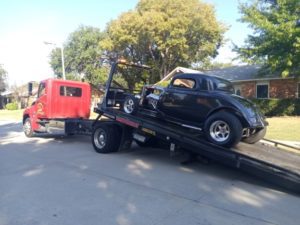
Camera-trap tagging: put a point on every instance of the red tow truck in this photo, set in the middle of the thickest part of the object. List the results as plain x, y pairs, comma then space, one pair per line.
63, 107
57, 101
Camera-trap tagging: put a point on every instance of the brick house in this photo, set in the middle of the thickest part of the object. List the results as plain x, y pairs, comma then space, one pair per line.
250, 84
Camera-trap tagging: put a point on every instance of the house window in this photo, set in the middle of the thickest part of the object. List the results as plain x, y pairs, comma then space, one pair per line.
262, 90
238, 90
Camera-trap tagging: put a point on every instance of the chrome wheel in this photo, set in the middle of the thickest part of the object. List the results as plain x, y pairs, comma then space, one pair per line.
129, 106
27, 127
100, 138
219, 131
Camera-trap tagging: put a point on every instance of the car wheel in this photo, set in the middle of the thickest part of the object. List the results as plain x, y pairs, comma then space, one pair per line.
255, 137
224, 129
27, 128
106, 139
130, 105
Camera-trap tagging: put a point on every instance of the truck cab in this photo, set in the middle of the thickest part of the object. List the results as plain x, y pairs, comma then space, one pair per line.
57, 100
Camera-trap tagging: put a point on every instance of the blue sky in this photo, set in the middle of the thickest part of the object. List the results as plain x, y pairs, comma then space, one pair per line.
25, 25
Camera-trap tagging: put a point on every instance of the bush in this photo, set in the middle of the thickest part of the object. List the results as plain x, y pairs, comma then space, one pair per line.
11, 106
278, 107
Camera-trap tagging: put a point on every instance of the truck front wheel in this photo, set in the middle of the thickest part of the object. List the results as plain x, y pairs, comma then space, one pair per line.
106, 138
27, 128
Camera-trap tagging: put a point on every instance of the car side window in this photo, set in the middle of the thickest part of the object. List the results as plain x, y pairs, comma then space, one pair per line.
184, 83
203, 84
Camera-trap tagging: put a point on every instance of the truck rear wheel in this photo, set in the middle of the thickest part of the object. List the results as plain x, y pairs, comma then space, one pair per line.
27, 128
106, 138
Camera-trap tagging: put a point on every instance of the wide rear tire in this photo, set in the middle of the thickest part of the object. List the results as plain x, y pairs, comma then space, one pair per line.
130, 105
223, 128
106, 138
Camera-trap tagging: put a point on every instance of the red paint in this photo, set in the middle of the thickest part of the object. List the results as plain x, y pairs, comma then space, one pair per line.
127, 122
58, 102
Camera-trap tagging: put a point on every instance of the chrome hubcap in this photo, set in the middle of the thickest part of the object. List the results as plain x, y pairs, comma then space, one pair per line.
100, 138
219, 131
27, 127
128, 106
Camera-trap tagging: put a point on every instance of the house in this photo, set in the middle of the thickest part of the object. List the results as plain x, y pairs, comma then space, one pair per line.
249, 83
6, 97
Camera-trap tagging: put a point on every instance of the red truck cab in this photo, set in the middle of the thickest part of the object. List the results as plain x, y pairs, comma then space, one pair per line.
57, 100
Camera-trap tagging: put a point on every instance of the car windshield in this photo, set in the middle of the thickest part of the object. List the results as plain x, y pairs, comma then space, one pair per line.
223, 85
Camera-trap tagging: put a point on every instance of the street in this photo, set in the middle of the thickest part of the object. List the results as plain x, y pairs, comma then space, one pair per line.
63, 181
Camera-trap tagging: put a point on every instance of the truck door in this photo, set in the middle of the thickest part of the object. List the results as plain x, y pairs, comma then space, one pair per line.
40, 103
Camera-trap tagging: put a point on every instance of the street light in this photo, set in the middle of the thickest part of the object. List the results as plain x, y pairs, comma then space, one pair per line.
62, 57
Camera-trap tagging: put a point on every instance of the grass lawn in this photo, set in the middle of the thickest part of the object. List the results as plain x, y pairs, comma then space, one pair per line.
280, 128
284, 128
15, 115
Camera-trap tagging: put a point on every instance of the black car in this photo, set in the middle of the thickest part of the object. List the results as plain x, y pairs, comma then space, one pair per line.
202, 103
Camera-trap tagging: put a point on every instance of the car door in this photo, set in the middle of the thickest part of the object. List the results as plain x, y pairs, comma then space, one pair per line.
187, 103
178, 99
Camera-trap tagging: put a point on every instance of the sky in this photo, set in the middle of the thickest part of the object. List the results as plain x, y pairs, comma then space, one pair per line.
26, 25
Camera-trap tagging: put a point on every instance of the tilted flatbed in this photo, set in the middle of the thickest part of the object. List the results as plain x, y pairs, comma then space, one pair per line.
269, 163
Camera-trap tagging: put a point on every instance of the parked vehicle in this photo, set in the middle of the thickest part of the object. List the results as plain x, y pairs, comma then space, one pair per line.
205, 103
57, 100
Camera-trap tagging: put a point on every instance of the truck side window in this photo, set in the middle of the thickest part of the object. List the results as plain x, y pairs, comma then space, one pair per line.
70, 91
42, 89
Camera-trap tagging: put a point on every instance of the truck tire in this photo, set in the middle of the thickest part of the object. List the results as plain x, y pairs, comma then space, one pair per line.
106, 138
223, 128
130, 105
27, 128
255, 137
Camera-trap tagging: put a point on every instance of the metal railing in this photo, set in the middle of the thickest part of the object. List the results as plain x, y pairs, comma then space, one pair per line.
276, 143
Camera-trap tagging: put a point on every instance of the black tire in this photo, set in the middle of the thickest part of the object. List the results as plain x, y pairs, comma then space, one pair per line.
255, 137
130, 105
27, 128
106, 138
223, 128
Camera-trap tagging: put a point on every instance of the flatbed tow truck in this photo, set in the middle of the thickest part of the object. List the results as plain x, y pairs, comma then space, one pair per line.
114, 130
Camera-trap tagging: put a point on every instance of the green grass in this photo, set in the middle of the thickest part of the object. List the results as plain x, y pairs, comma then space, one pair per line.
280, 128
284, 128
15, 115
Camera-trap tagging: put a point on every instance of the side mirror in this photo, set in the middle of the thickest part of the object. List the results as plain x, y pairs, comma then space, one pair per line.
30, 89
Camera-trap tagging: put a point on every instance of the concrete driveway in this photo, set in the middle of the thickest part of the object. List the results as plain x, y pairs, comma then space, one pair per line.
62, 181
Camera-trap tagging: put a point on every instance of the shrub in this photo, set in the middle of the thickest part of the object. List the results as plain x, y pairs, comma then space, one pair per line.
278, 107
12, 106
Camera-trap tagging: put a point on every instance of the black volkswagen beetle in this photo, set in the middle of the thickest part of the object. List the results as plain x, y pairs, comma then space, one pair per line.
205, 103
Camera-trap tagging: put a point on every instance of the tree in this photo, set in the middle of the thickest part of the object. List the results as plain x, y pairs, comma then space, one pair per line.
276, 38
165, 34
82, 55
3, 77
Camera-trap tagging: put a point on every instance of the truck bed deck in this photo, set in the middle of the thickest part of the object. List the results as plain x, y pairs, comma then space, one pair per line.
270, 163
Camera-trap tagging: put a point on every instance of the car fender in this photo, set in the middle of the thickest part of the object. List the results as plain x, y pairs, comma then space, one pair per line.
232, 110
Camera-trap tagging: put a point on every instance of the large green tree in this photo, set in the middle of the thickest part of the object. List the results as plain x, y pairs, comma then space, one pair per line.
3, 77
276, 38
165, 34
82, 56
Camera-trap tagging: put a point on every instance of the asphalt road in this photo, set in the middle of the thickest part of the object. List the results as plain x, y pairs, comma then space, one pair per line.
62, 181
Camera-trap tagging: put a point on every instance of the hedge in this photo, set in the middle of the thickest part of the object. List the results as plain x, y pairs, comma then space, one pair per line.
11, 106
278, 107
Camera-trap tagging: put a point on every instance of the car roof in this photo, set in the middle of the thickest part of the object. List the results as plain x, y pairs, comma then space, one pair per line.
197, 75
